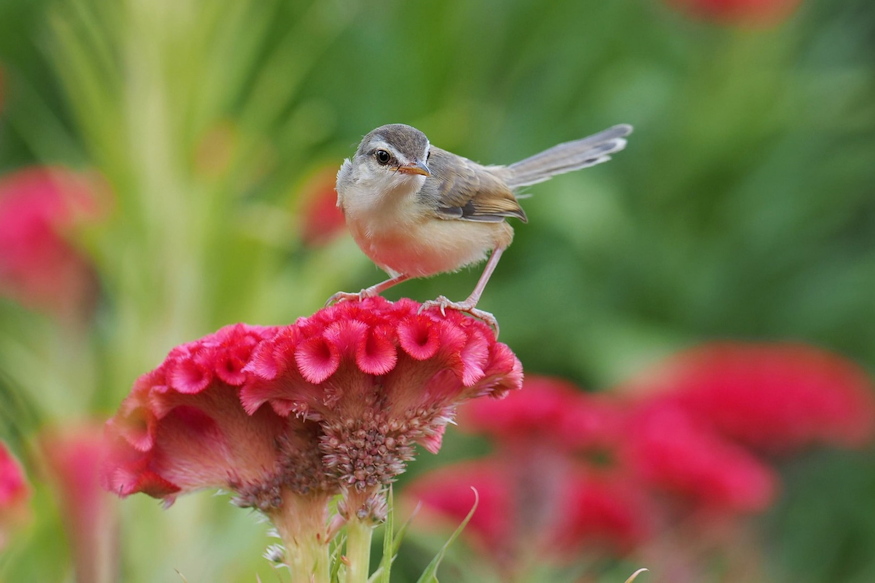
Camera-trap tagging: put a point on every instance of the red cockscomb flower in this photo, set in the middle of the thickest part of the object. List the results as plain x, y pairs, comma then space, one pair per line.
74, 457
603, 512
334, 402
550, 411
772, 397
542, 492
321, 219
14, 495
670, 451
183, 427
378, 377
742, 12
39, 267
288, 416
447, 495
582, 512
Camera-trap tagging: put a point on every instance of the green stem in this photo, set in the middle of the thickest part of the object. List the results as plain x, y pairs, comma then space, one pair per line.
301, 525
358, 550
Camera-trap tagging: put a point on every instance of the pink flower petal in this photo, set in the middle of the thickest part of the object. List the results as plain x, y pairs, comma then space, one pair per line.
419, 337
229, 368
433, 439
377, 354
346, 335
135, 427
474, 357
317, 359
189, 376
268, 361
125, 480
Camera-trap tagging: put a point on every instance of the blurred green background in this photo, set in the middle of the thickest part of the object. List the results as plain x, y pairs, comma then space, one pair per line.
743, 207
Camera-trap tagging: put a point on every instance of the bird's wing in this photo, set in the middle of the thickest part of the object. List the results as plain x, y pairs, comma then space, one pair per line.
464, 190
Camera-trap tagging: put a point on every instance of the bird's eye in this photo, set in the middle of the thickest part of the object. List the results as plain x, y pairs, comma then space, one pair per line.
383, 157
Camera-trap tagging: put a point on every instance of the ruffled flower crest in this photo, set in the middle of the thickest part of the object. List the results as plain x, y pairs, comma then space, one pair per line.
378, 377
331, 403
182, 428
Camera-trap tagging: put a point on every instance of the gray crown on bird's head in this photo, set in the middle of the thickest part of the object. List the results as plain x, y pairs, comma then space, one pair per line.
404, 139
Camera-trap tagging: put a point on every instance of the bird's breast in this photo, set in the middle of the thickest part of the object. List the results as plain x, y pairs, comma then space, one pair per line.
401, 233
431, 246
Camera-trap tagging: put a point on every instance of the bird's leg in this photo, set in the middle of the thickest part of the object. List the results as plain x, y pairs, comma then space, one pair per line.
470, 304
367, 292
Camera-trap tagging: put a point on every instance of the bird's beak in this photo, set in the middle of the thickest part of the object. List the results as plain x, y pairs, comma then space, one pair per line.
415, 168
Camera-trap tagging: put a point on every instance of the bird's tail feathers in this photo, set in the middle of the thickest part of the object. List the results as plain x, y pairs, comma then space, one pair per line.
567, 157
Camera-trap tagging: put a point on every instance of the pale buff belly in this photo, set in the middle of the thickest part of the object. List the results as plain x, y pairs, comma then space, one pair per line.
434, 246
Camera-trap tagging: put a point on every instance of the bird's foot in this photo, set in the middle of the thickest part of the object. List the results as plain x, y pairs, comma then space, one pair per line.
467, 307
347, 296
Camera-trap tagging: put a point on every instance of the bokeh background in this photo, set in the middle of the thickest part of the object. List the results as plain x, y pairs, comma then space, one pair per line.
192, 145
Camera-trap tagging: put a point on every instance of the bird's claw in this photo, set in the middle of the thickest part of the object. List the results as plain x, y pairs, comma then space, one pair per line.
442, 303
347, 296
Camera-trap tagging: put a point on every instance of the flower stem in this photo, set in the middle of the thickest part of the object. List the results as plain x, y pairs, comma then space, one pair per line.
358, 550
301, 525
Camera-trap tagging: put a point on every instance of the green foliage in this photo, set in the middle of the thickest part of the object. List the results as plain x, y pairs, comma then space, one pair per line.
743, 206
429, 575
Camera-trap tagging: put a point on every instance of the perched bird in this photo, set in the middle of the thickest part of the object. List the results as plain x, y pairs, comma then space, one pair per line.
417, 210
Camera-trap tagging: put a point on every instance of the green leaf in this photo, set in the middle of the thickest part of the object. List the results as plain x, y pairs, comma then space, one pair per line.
430, 573
391, 542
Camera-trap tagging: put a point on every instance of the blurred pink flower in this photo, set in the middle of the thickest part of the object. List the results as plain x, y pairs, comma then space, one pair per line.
321, 219
669, 455
552, 487
14, 495
582, 512
603, 512
550, 412
75, 456
771, 397
447, 496
739, 12
39, 267
670, 451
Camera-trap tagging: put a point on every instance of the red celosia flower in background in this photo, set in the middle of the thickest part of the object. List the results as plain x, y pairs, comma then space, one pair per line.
603, 511
594, 513
772, 397
378, 377
447, 496
670, 451
14, 495
39, 267
675, 453
542, 492
332, 402
550, 412
321, 219
75, 457
743, 12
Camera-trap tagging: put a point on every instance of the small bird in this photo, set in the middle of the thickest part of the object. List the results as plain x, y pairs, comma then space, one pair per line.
417, 210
